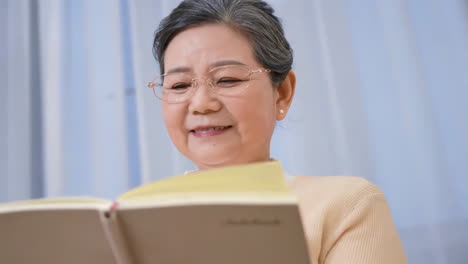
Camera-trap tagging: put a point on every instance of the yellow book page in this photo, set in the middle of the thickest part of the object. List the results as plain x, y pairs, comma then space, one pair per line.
59, 200
256, 179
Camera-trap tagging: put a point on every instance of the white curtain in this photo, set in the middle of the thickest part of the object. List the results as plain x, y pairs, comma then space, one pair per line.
381, 94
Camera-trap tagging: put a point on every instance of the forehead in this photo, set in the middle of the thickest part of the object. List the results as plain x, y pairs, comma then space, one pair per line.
200, 47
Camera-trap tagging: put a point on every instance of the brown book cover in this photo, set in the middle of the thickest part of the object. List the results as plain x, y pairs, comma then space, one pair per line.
241, 214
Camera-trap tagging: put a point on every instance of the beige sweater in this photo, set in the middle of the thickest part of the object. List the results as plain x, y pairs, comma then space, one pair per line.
347, 220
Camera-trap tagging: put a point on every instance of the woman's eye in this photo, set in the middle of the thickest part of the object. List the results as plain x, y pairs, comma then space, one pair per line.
228, 82
180, 86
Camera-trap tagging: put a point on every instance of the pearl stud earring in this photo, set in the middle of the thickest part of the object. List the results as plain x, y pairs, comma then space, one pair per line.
281, 111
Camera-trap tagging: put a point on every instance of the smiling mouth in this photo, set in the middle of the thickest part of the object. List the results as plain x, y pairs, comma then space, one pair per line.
209, 131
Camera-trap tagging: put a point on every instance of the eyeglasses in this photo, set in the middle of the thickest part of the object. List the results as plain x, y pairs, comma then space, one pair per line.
177, 87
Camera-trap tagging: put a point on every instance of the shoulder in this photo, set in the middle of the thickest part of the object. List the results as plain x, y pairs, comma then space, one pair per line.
340, 213
338, 190
337, 182
333, 197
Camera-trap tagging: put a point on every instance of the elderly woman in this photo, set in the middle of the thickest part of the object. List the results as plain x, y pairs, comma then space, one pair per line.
226, 79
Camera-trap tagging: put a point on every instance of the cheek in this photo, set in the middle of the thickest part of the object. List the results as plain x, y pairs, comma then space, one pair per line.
174, 120
257, 116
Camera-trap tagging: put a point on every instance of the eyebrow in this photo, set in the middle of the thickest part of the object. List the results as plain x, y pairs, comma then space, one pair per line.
213, 65
226, 62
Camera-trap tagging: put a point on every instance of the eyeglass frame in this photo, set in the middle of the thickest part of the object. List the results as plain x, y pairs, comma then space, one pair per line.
152, 85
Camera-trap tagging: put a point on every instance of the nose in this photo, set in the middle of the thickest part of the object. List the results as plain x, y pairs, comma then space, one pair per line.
204, 100
207, 83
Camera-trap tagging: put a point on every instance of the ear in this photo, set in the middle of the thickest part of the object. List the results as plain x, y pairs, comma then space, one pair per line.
285, 94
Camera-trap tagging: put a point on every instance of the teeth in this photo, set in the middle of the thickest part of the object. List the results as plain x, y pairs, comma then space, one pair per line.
210, 129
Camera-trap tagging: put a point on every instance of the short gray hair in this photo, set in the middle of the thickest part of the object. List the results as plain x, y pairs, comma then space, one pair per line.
254, 18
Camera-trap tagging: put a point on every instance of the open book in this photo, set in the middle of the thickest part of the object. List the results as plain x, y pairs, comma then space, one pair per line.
241, 214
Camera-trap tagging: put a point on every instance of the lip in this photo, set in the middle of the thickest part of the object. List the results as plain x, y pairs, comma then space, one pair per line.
209, 131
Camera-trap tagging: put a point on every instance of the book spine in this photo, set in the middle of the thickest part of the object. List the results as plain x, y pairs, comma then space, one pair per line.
115, 236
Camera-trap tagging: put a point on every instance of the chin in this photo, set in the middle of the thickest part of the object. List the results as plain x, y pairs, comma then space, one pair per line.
214, 154
231, 153
214, 159
210, 161
207, 162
